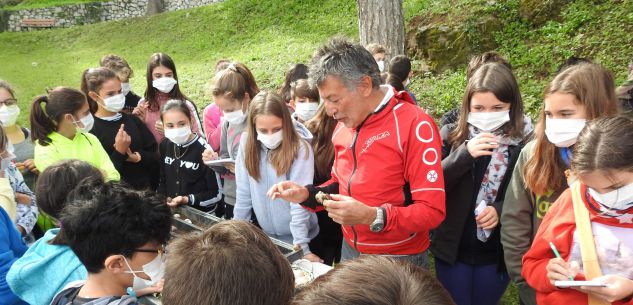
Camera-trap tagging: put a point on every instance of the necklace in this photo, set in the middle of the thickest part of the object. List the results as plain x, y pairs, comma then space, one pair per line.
183, 153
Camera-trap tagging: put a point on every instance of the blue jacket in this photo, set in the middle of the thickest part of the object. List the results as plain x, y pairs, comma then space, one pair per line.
288, 222
11, 247
45, 270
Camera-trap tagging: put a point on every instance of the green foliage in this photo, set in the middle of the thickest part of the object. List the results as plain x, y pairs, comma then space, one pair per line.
30, 4
268, 36
599, 30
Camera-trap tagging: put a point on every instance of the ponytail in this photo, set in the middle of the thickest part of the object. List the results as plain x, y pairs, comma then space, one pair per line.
235, 82
48, 111
41, 125
91, 80
395, 81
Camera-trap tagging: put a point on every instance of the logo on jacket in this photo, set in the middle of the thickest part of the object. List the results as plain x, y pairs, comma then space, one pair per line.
373, 139
431, 176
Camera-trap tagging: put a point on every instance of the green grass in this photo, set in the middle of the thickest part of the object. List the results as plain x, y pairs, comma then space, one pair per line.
268, 36
31, 4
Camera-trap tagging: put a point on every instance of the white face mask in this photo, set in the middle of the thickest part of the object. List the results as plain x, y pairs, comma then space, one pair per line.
9, 115
271, 141
178, 135
88, 121
114, 103
235, 117
381, 65
306, 111
618, 200
488, 121
563, 132
407, 82
164, 84
125, 88
154, 269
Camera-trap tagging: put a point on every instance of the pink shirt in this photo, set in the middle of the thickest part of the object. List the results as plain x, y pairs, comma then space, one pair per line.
151, 117
212, 118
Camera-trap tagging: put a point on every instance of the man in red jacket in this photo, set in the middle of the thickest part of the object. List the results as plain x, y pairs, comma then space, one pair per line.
387, 188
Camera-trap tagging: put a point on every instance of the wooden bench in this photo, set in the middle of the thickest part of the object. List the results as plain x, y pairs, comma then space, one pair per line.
38, 23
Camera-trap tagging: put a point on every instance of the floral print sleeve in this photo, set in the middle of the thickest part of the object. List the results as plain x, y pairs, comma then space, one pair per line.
26, 214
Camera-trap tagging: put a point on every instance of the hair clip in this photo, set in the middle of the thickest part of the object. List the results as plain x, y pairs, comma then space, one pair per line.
232, 67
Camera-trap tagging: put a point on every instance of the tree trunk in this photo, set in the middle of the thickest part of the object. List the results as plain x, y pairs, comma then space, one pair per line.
382, 22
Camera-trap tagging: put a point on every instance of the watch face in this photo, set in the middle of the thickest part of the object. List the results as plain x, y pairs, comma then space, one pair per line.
376, 227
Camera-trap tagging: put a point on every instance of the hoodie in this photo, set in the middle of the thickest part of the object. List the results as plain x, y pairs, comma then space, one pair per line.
69, 296
11, 247
44, 270
288, 222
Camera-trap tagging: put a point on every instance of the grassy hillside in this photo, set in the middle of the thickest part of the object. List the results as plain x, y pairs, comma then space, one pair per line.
268, 36
599, 30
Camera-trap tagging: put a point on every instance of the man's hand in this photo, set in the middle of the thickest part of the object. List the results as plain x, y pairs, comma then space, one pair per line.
178, 200
288, 191
349, 211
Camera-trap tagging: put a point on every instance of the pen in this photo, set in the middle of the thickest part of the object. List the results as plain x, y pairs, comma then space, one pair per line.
551, 244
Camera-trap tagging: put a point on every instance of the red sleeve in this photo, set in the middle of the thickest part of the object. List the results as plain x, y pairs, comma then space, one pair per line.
558, 226
421, 148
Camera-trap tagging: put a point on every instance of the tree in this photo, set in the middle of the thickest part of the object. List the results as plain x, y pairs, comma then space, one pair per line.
382, 21
155, 7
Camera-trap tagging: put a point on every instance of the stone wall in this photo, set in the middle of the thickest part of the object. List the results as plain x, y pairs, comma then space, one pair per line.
86, 13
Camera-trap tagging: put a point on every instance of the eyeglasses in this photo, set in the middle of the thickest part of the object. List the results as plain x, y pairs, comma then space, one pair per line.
9, 102
160, 250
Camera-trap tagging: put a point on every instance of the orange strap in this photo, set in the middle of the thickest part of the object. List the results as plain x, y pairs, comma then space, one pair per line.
590, 262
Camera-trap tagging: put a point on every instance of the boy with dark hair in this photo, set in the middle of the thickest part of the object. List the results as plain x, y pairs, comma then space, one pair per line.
118, 234
375, 280
231, 263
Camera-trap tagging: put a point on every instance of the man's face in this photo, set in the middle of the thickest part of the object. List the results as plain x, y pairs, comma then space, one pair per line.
341, 103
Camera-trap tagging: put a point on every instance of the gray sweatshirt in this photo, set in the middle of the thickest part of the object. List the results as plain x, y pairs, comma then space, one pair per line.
229, 146
288, 222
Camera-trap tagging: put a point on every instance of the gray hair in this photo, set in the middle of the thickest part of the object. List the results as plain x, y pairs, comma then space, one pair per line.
346, 60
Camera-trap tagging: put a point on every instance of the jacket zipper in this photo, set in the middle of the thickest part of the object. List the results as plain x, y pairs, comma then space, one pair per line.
349, 181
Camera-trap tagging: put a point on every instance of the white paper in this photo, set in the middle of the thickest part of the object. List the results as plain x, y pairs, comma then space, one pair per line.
482, 234
579, 283
219, 161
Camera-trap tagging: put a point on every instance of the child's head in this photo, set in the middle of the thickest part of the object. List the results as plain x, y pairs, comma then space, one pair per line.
176, 118
102, 88
161, 78
378, 52
492, 101
64, 109
270, 127
484, 58
375, 280
602, 160
295, 73
233, 88
579, 93
399, 72
233, 262
57, 180
118, 65
305, 99
117, 233
9, 110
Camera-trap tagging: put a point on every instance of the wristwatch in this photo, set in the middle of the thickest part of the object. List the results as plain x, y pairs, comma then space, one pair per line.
379, 223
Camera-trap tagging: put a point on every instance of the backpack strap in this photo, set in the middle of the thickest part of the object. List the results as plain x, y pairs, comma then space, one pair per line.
590, 262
